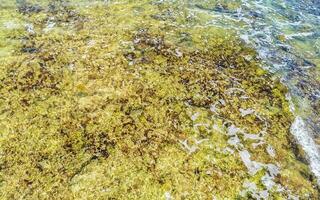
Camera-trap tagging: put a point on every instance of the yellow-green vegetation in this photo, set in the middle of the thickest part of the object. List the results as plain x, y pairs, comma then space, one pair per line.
130, 100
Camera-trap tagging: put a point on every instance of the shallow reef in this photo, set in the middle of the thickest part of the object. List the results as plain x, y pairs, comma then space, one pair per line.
139, 100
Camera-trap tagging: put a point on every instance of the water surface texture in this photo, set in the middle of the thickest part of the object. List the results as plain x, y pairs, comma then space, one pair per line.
287, 37
159, 99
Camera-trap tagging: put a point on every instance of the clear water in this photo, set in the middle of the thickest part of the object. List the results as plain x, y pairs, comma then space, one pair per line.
286, 34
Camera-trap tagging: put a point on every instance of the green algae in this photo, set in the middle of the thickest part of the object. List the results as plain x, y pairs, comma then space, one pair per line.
114, 101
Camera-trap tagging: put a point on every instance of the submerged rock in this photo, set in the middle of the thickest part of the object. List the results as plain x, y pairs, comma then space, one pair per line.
252, 166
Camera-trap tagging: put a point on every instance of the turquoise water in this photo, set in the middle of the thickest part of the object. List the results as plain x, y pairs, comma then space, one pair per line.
286, 33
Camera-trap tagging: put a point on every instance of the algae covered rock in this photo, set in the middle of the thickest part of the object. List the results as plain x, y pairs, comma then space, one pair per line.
116, 103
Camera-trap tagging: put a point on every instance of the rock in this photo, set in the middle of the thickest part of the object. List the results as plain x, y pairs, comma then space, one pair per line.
235, 141
252, 166
245, 112
233, 130
271, 151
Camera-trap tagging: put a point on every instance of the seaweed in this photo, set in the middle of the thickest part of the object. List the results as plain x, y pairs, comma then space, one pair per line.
121, 109
25, 7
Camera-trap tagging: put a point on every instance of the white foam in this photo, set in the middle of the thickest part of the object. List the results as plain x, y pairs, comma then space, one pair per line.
300, 132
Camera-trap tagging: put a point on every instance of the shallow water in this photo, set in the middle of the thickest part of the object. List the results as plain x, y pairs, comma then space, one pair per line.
286, 34
67, 52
